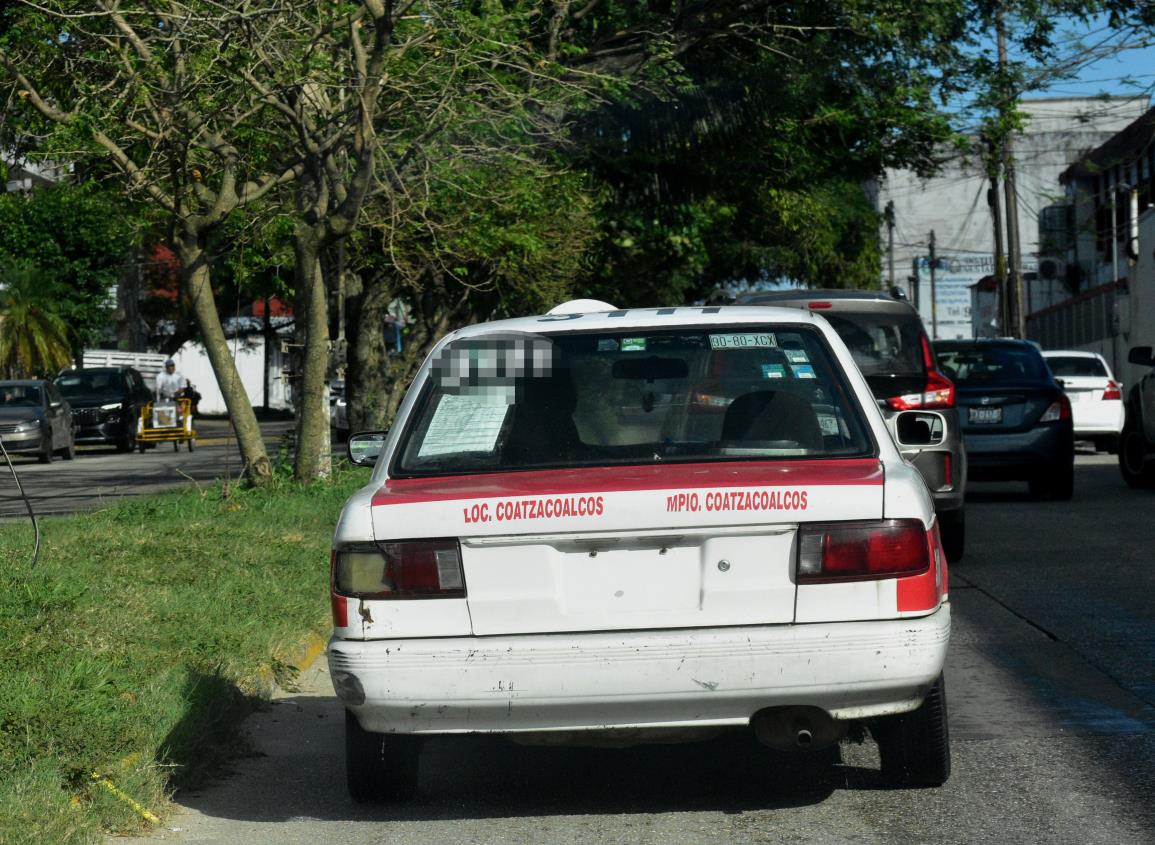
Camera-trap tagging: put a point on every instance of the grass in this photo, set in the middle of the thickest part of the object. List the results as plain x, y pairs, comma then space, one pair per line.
139, 640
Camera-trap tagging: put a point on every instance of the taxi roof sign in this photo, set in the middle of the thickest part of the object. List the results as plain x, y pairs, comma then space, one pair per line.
581, 306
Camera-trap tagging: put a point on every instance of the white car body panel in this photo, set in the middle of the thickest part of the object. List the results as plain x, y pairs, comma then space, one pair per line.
621, 597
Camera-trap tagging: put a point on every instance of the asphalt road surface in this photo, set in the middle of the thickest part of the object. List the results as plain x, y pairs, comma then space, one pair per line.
100, 475
1051, 687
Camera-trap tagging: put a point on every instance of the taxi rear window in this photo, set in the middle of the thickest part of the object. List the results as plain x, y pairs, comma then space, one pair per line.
528, 401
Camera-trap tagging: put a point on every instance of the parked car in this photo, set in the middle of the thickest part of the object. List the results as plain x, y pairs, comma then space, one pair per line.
1096, 398
1016, 418
552, 545
34, 417
338, 410
889, 343
1137, 442
106, 404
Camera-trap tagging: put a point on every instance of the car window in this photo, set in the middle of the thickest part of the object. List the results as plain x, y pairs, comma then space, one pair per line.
881, 342
1075, 366
596, 399
81, 382
20, 396
977, 363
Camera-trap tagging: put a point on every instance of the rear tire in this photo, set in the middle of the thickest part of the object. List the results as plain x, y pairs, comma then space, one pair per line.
952, 528
192, 444
915, 747
379, 768
1132, 449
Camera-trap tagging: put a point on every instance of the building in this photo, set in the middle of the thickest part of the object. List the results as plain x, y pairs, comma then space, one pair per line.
954, 205
1103, 230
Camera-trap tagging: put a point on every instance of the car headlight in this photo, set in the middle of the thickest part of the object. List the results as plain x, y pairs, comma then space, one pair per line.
110, 406
27, 425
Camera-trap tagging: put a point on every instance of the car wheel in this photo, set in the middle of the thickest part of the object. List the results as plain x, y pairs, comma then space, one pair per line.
126, 443
1132, 449
379, 768
192, 444
914, 748
1109, 444
952, 529
46, 452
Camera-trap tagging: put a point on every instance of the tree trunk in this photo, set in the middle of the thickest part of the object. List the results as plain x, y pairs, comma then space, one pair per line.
197, 283
313, 453
368, 382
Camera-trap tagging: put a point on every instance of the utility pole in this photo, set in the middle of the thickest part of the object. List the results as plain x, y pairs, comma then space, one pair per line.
933, 292
889, 216
1000, 268
1015, 294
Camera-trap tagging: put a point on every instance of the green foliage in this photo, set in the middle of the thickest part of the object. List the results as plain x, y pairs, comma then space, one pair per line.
34, 337
142, 635
82, 235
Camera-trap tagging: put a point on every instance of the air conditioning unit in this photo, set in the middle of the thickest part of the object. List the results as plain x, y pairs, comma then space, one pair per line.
1052, 269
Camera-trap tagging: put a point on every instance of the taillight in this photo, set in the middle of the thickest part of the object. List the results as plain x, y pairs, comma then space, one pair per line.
851, 551
819, 304
938, 392
1060, 409
405, 569
1112, 390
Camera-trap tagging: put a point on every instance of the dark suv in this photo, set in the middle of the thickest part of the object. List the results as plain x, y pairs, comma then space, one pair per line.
889, 343
106, 403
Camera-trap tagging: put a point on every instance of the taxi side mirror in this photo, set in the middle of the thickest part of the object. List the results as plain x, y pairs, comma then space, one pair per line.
919, 429
364, 448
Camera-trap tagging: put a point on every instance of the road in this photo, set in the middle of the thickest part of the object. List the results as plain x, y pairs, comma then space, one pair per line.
100, 475
1051, 685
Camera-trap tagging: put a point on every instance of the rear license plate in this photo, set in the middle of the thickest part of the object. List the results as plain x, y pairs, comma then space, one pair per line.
985, 415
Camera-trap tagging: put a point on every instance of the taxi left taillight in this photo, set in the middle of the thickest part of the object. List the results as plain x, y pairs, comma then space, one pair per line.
855, 551
401, 569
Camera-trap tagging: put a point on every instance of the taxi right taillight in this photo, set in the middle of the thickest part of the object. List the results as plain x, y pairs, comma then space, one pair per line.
405, 569
1112, 390
855, 551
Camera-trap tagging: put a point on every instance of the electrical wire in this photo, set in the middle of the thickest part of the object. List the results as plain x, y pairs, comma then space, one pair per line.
27, 504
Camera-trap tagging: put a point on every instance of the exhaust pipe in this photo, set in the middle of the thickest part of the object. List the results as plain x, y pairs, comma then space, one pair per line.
797, 728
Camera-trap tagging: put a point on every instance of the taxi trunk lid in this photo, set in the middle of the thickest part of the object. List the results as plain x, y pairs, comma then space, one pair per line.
633, 547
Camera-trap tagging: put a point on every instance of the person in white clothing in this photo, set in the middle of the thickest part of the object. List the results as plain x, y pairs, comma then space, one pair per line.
170, 383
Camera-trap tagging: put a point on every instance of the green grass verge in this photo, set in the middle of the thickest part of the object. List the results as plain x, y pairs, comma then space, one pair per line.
139, 640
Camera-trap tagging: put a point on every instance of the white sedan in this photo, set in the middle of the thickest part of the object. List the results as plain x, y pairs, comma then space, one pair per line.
1096, 398
640, 525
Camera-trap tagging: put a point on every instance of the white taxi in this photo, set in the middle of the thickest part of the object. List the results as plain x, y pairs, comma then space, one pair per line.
640, 525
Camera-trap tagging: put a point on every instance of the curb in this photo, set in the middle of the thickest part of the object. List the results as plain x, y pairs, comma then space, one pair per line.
299, 657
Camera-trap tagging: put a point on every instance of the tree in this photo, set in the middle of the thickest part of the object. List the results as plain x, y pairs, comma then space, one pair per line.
85, 233
34, 338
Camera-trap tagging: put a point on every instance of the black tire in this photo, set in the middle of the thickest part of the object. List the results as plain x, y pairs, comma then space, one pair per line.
915, 747
176, 445
379, 768
952, 526
141, 445
192, 444
126, 443
1132, 449
1109, 444
1058, 485
46, 454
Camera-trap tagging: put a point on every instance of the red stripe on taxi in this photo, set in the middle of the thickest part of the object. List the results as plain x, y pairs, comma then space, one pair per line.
861, 472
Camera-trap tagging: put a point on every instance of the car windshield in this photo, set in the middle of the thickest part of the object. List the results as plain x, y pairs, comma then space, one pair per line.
20, 396
503, 402
83, 382
992, 362
1074, 366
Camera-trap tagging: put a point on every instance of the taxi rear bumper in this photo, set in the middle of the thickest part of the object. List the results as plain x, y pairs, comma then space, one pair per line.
638, 679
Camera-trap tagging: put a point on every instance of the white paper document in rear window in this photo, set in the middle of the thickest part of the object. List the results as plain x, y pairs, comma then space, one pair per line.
464, 424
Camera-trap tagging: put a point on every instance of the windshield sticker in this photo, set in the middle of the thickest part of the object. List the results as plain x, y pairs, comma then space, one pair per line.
797, 356
773, 371
607, 344
633, 344
804, 371
464, 424
762, 340
829, 424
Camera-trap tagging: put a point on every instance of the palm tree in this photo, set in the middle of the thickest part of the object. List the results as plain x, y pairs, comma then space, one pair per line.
33, 337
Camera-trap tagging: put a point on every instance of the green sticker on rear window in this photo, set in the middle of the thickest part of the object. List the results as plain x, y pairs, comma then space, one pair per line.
633, 344
773, 371
797, 356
